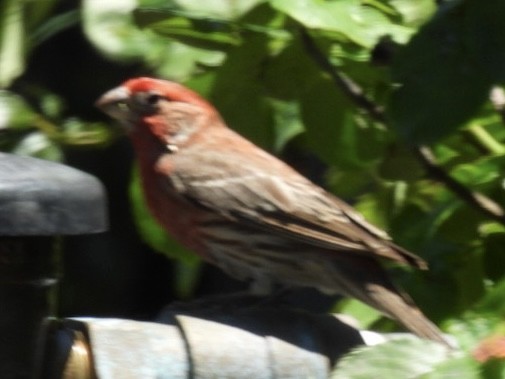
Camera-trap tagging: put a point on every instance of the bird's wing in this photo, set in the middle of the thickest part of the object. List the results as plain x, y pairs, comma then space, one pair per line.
288, 204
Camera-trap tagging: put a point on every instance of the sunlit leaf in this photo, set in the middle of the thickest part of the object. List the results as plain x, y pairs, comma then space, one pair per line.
364, 314
109, 26
473, 327
481, 173
15, 112
38, 145
402, 358
184, 61
198, 32
225, 8
80, 133
362, 25
461, 368
376, 206
415, 12
12, 34
210, 8
207, 30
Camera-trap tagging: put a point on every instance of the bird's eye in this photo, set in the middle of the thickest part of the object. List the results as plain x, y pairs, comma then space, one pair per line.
153, 98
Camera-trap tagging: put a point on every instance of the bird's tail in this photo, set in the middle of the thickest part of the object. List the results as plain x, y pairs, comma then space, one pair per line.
364, 279
400, 307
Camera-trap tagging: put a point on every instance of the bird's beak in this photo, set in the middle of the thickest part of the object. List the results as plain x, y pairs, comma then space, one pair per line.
115, 103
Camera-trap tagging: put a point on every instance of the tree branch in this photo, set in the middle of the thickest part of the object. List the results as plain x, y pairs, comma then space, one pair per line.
476, 199
424, 154
344, 83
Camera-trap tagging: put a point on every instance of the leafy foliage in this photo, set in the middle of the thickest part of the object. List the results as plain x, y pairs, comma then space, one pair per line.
461, 61
429, 68
405, 358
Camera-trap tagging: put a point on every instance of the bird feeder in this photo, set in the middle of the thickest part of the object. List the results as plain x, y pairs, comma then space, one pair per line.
39, 202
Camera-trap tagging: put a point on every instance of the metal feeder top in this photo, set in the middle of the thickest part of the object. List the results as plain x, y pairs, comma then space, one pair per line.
44, 198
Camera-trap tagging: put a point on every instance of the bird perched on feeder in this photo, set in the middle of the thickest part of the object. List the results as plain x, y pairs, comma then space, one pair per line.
244, 210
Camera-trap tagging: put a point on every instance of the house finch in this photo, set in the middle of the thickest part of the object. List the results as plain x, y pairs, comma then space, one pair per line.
246, 211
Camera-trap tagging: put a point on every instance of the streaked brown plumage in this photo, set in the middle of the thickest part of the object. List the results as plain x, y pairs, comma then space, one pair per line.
247, 212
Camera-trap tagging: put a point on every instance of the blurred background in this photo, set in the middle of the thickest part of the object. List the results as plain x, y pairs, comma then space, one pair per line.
396, 106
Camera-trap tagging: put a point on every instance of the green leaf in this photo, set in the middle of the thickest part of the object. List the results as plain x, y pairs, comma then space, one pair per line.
150, 231
287, 123
199, 32
335, 132
485, 38
330, 130
80, 133
380, 206
15, 112
481, 173
493, 369
398, 163
39, 11
493, 301
207, 29
374, 207
400, 358
414, 12
363, 313
348, 183
51, 105
360, 24
469, 277
290, 72
12, 35
461, 368
109, 26
182, 61
446, 84
38, 145
53, 26
224, 9
493, 242
229, 9
472, 328
238, 94
490, 228
485, 139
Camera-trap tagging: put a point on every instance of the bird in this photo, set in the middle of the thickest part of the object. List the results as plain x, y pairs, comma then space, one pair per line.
249, 213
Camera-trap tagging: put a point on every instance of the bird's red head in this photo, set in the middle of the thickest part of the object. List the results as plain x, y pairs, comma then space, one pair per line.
169, 90
141, 95
162, 108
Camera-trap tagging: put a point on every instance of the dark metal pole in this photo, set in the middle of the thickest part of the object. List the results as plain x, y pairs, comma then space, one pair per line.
27, 277
39, 202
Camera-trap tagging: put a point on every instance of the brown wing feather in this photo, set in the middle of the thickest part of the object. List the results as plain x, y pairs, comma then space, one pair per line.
272, 196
